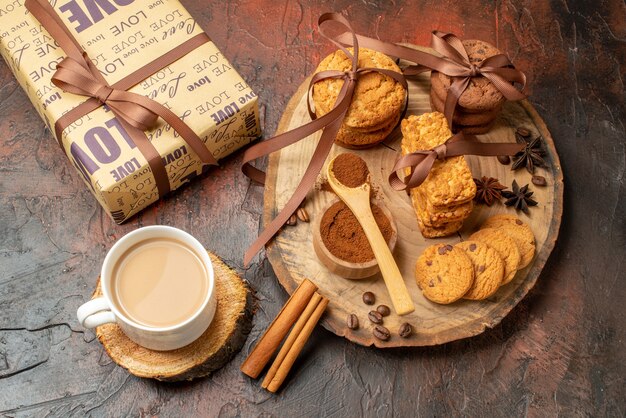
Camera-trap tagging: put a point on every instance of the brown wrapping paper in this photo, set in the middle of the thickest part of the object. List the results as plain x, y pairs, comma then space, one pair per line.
120, 36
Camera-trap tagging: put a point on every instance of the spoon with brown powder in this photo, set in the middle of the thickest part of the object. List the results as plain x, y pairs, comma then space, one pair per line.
348, 176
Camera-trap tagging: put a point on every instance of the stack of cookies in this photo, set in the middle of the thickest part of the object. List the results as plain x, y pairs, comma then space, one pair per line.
377, 103
480, 103
476, 268
444, 200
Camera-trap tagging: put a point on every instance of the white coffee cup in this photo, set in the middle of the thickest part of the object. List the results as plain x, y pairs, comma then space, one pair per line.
101, 310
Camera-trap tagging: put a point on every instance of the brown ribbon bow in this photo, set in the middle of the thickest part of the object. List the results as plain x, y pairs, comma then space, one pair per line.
421, 162
454, 63
82, 78
330, 123
77, 74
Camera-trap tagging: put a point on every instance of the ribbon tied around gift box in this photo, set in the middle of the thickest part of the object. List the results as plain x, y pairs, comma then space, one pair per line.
454, 62
77, 74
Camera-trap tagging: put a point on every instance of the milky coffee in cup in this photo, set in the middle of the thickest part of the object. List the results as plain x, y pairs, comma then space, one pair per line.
159, 282
158, 286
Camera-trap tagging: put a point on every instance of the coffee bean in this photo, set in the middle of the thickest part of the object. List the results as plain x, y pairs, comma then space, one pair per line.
504, 159
523, 132
539, 181
369, 298
405, 330
352, 322
383, 310
293, 219
302, 215
381, 333
375, 317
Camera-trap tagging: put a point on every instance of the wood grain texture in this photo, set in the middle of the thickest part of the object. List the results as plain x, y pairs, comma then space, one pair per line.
293, 258
559, 352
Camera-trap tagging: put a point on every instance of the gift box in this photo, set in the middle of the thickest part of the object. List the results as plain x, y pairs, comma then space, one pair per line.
122, 38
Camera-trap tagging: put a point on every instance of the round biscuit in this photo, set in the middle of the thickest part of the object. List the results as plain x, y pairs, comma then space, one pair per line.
519, 231
444, 273
475, 129
438, 91
465, 119
480, 94
488, 269
348, 137
438, 232
376, 96
504, 245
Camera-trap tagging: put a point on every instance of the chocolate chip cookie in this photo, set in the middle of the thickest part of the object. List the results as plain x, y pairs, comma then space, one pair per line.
504, 245
519, 231
444, 273
488, 269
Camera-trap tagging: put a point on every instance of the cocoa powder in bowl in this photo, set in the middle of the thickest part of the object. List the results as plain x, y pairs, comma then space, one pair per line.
350, 170
344, 237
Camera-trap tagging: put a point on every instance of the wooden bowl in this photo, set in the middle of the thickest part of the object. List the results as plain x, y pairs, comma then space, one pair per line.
347, 269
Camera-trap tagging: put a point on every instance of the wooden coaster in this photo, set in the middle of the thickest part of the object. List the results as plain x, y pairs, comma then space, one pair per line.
220, 342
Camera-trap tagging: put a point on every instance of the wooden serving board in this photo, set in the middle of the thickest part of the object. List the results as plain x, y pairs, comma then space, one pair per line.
292, 256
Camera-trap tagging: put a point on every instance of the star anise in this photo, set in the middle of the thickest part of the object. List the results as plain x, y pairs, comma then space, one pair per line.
520, 198
530, 156
488, 190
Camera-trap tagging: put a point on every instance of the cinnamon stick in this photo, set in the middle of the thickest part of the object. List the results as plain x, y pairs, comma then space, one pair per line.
278, 329
296, 348
295, 331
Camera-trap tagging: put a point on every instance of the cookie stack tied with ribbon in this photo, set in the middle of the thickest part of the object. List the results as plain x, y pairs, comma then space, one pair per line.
444, 200
480, 103
377, 102
357, 105
342, 95
470, 80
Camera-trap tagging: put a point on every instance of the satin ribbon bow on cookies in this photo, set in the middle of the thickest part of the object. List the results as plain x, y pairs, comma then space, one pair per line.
453, 62
330, 123
421, 162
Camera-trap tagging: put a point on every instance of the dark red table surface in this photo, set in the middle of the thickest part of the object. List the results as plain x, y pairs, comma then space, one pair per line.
559, 352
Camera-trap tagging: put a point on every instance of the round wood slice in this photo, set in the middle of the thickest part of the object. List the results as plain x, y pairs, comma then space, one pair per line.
220, 342
293, 259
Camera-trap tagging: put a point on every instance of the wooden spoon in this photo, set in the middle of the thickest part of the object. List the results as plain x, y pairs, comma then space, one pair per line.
358, 200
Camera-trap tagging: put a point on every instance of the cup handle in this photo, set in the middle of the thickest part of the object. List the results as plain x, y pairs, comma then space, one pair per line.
94, 313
